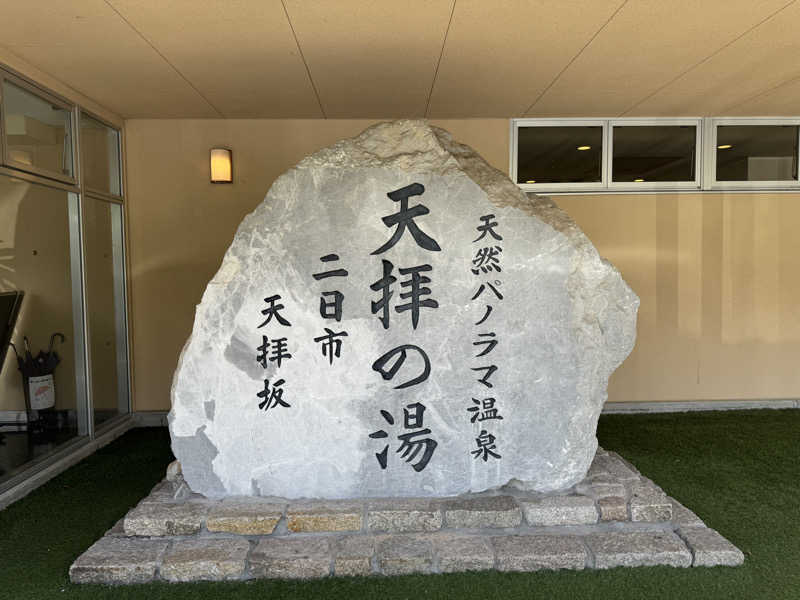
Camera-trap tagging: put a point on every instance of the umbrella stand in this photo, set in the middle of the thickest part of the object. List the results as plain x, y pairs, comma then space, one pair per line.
38, 381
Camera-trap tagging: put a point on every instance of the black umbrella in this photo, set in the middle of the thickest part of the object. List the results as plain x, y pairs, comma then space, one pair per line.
48, 361
44, 363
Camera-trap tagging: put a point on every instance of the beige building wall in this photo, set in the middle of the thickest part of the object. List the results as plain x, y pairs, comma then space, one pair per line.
717, 273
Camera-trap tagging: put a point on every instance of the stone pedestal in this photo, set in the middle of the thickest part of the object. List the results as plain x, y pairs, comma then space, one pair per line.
615, 517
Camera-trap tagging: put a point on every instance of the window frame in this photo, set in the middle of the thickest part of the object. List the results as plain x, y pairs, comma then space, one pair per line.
559, 187
90, 190
711, 153
696, 122
5, 158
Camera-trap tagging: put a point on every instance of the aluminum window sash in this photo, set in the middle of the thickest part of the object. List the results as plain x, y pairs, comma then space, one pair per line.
104, 196
120, 162
695, 122
555, 187
723, 185
49, 97
32, 178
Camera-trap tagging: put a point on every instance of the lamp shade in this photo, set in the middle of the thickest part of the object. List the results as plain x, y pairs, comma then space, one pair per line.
221, 165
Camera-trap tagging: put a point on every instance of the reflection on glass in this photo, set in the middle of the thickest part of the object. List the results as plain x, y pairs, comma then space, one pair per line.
105, 303
38, 237
38, 133
654, 153
559, 154
757, 152
100, 156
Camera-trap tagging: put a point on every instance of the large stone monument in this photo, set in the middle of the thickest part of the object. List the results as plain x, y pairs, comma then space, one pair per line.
399, 369
397, 318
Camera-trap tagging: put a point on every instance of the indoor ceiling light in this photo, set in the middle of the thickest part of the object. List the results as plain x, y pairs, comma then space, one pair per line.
724, 146
221, 165
584, 147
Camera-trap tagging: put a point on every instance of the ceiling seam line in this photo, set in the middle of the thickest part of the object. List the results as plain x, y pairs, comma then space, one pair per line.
303, 58
761, 93
165, 59
574, 58
439, 62
709, 57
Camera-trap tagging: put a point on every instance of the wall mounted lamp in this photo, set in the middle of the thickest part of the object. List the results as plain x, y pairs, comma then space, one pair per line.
221, 165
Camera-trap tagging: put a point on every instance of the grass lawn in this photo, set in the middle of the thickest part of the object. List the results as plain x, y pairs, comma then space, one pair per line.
738, 471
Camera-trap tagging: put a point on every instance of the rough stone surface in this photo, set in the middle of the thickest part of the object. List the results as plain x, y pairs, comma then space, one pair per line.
291, 558
118, 560
457, 553
163, 490
636, 549
156, 519
709, 548
324, 516
401, 515
649, 503
487, 511
560, 510
211, 559
683, 517
353, 554
613, 508
565, 322
244, 516
535, 552
404, 535
402, 554
611, 465
173, 470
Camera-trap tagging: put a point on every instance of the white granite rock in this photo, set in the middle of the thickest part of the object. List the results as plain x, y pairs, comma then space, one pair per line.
566, 320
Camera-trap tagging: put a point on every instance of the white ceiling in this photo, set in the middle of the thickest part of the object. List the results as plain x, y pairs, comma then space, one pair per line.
416, 58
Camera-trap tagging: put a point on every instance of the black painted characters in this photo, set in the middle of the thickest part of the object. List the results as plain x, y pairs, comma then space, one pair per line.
486, 261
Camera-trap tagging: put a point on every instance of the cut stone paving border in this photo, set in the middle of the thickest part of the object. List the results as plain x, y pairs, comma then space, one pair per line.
615, 517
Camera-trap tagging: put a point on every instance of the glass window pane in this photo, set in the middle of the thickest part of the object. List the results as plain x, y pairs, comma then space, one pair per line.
105, 303
38, 133
100, 156
38, 240
757, 152
559, 154
654, 153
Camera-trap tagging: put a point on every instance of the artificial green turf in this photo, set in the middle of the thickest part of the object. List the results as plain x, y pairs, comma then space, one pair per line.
738, 471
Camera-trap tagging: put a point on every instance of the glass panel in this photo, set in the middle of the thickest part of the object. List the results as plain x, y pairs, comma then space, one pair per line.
38, 133
654, 153
100, 156
559, 154
757, 152
105, 303
45, 406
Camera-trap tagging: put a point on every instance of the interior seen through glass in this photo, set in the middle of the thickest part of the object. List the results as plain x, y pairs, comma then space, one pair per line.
654, 153
36, 244
37, 132
571, 154
100, 156
105, 290
757, 152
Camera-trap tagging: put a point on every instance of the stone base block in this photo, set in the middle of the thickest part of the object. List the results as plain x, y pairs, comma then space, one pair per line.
393, 515
536, 552
709, 548
119, 560
325, 516
287, 558
638, 549
483, 511
205, 558
614, 518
